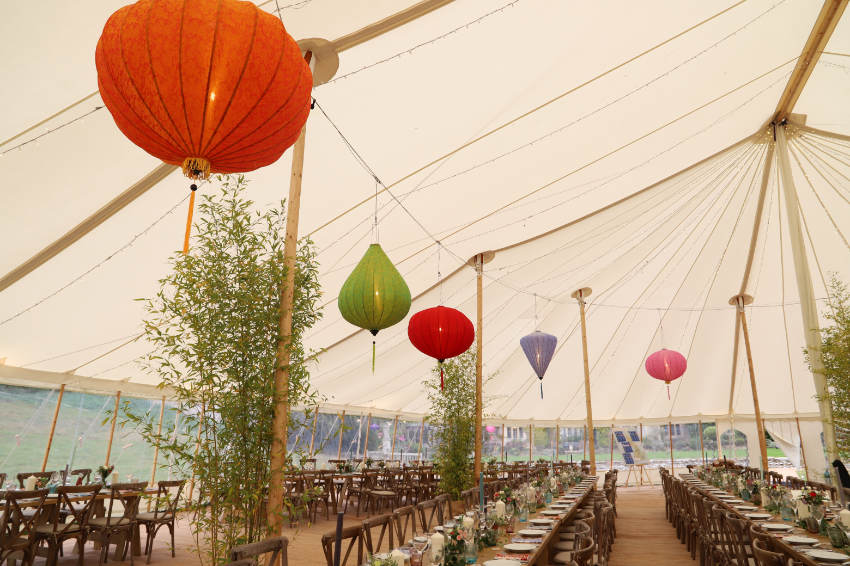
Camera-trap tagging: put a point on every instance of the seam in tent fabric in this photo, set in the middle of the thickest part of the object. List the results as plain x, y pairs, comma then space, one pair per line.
533, 110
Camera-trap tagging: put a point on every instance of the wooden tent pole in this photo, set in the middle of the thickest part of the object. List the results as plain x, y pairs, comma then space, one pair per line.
584, 442
802, 450
579, 296
670, 434
641, 432
281, 372
313, 433
341, 427
504, 455
158, 434
740, 301
701, 447
611, 459
112, 427
557, 443
366, 442
421, 431
479, 345
53, 427
395, 428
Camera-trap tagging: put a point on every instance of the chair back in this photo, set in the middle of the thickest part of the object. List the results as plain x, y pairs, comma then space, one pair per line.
22, 477
275, 546
78, 501
405, 523
84, 475
15, 524
764, 557
2, 479
351, 537
444, 508
583, 555
429, 515
167, 499
128, 495
383, 526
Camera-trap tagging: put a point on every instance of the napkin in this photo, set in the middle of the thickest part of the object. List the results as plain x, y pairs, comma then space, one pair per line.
511, 556
537, 540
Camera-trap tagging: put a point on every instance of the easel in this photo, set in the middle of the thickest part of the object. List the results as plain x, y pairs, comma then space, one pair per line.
639, 471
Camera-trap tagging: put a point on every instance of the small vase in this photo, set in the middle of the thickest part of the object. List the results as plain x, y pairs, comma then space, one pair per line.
471, 553
746, 495
817, 511
786, 510
523, 513
837, 537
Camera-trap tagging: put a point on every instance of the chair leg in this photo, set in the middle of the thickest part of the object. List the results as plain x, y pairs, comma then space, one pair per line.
171, 529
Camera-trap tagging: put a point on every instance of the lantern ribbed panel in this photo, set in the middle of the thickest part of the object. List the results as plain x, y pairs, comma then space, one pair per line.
219, 80
539, 348
666, 365
375, 295
441, 332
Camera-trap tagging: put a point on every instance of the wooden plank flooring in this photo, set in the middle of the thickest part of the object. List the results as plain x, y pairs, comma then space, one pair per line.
644, 536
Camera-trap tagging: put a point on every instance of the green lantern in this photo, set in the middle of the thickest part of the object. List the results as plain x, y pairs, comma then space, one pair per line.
375, 295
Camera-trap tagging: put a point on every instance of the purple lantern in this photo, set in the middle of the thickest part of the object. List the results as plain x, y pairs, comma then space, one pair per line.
539, 348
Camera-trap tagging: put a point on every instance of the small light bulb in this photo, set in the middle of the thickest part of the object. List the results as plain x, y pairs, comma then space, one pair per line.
212, 96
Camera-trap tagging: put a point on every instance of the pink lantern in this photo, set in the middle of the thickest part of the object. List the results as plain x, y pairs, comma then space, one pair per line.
666, 365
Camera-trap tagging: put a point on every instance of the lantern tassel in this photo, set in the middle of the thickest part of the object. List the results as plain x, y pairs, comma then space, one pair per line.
373, 357
668, 390
194, 188
441, 376
541, 389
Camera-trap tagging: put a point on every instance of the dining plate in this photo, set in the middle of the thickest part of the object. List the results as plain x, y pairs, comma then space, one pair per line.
758, 516
547, 522
550, 512
745, 507
519, 547
797, 539
439, 528
827, 555
776, 527
532, 532
560, 506
502, 562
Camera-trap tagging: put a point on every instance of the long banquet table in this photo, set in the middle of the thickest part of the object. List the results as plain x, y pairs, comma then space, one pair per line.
778, 536
540, 555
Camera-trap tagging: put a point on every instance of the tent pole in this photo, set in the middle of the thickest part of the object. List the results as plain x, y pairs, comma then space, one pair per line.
281, 372
421, 430
579, 296
701, 447
112, 427
313, 433
584, 442
670, 435
808, 305
719, 443
53, 427
611, 459
504, 455
395, 428
156, 447
479, 271
557, 443
341, 426
197, 450
802, 450
740, 301
366, 442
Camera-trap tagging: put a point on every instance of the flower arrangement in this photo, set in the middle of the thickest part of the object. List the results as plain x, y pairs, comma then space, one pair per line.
507, 495
103, 472
491, 462
812, 497
368, 462
455, 548
382, 561
381, 464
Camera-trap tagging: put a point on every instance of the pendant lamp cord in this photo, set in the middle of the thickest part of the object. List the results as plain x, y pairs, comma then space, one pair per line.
193, 188
535, 312
439, 275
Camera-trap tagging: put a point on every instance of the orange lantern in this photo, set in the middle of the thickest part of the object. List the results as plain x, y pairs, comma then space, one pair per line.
214, 86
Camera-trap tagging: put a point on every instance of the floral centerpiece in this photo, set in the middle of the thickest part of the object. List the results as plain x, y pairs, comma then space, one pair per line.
507, 496
104, 472
454, 550
368, 463
812, 497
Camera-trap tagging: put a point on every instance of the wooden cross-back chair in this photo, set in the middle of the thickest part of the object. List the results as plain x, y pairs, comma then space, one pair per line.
78, 503
17, 527
163, 515
22, 477
251, 552
384, 527
352, 537
429, 515
121, 526
405, 523
444, 508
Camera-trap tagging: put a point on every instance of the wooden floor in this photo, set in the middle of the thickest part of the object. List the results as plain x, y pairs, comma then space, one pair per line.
644, 537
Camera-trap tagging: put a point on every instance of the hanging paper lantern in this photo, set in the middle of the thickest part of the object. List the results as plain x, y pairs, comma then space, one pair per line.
539, 348
375, 295
441, 332
214, 86
210, 85
666, 365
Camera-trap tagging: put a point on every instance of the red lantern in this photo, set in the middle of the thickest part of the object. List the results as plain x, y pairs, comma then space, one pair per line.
210, 85
666, 365
441, 332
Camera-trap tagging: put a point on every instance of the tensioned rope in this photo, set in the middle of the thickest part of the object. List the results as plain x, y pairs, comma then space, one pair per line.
529, 112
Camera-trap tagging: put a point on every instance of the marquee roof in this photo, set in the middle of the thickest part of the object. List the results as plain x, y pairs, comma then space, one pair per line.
628, 154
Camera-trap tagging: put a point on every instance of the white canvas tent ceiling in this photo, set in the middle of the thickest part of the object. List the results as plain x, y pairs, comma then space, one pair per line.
663, 262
